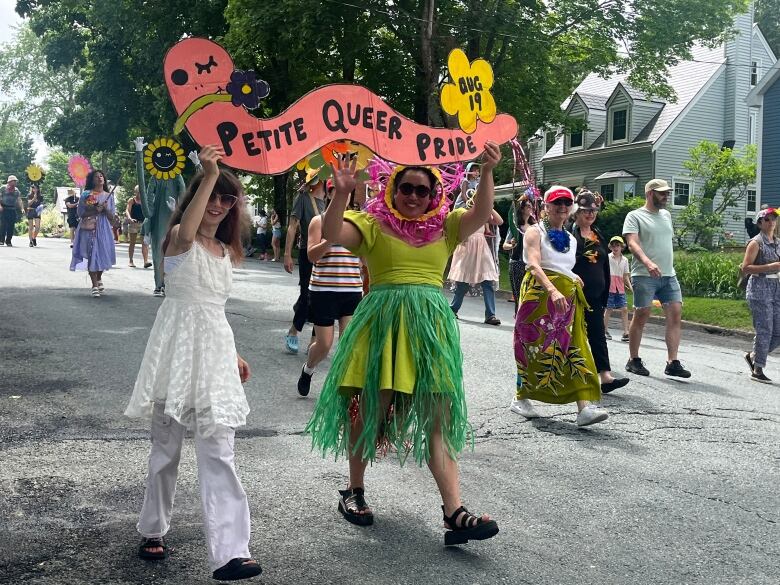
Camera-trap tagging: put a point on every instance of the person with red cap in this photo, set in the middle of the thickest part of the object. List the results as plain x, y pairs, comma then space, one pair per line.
554, 360
762, 267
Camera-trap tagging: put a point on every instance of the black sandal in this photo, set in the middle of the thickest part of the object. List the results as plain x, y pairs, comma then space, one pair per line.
238, 569
352, 505
148, 543
464, 526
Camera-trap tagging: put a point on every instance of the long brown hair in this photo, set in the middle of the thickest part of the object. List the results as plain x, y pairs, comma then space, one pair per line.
233, 228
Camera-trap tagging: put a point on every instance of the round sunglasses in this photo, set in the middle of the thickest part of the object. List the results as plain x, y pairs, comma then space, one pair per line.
422, 191
225, 199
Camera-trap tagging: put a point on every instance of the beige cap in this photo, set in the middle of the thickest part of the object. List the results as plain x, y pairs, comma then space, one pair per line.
12, 178
657, 185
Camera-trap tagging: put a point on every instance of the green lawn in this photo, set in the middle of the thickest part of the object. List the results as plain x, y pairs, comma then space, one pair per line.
731, 314
727, 313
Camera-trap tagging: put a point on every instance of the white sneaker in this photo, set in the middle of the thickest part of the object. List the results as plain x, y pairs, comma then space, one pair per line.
590, 415
524, 408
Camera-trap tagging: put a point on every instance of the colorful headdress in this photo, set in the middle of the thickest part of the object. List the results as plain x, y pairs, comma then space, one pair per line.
426, 228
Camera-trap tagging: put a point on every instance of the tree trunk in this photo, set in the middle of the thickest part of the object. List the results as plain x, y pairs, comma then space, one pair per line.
430, 89
280, 197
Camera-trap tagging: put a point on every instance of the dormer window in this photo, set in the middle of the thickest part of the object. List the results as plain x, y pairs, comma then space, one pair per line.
619, 125
575, 140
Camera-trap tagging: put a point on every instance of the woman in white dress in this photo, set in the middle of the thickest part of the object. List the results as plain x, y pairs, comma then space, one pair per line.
191, 375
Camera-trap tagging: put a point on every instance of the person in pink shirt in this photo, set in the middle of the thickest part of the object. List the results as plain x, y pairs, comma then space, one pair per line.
620, 279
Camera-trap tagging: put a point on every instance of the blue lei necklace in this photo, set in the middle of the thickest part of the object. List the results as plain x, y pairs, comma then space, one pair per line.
558, 238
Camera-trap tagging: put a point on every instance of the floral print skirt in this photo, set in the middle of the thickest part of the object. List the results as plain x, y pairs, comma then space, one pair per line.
554, 361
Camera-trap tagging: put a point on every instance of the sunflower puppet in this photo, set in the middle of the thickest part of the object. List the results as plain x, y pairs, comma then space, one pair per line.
164, 159
34, 173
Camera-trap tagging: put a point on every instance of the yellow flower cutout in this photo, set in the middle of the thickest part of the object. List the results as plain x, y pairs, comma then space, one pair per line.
468, 96
34, 173
164, 159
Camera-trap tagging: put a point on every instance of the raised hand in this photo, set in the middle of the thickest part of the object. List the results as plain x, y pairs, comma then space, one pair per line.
209, 157
491, 156
344, 175
139, 144
193, 156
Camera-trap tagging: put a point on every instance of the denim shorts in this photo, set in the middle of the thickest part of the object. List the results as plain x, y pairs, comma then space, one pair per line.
646, 288
616, 300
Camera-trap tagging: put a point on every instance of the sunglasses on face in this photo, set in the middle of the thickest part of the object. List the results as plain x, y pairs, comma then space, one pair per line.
589, 211
562, 202
422, 191
225, 200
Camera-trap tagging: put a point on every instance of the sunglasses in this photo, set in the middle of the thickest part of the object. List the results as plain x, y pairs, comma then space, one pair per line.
589, 211
562, 202
225, 200
421, 191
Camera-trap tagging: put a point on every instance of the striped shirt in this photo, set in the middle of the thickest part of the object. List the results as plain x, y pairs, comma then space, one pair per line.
338, 270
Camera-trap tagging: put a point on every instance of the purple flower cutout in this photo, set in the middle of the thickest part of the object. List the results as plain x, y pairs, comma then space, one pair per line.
525, 332
246, 90
556, 326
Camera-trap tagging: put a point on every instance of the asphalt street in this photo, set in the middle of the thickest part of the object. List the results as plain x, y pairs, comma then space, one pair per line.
680, 485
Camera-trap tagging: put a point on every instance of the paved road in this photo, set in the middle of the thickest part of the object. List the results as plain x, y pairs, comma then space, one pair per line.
679, 486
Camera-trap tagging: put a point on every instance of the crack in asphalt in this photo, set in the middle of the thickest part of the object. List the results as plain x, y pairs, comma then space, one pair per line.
706, 497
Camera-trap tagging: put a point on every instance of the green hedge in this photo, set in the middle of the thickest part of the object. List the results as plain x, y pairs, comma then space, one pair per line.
709, 274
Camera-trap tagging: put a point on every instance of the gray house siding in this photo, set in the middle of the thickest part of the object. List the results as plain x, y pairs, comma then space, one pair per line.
738, 50
535, 154
583, 170
770, 154
641, 114
761, 55
704, 121
597, 123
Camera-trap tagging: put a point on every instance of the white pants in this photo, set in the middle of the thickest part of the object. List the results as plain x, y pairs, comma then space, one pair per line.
225, 506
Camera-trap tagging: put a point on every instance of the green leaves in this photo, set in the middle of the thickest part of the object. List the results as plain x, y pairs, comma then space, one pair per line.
719, 173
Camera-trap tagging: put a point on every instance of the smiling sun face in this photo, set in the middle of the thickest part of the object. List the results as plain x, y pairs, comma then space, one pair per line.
164, 159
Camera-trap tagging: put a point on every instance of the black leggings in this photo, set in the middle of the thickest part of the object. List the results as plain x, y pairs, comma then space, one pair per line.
301, 306
516, 274
597, 338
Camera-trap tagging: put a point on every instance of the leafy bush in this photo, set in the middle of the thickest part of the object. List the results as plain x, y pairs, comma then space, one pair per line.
709, 274
51, 222
611, 217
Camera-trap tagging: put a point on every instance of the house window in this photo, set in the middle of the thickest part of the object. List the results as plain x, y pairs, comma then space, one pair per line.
682, 194
619, 125
629, 190
755, 72
576, 140
751, 200
752, 127
549, 139
608, 192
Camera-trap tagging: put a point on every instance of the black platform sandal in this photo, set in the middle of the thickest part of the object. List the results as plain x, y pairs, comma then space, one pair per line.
148, 543
352, 505
237, 569
464, 526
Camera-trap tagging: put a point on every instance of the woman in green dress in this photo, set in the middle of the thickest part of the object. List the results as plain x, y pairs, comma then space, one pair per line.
396, 380
554, 361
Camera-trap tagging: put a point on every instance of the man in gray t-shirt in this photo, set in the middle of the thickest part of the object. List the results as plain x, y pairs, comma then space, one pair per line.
10, 205
308, 203
649, 233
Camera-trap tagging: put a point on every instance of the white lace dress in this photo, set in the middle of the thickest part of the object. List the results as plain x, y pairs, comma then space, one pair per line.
190, 362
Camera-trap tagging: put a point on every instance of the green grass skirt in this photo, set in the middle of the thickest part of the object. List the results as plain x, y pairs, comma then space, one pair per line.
402, 338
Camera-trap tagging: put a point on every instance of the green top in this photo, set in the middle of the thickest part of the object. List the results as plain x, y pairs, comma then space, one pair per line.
656, 236
390, 260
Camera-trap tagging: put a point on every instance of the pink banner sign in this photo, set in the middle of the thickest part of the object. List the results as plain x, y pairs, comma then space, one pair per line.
212, 101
